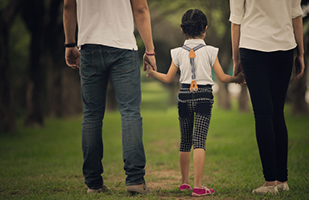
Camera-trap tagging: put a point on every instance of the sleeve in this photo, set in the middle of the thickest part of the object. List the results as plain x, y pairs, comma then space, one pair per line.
237, 11
174, 56
213, 55
296, 9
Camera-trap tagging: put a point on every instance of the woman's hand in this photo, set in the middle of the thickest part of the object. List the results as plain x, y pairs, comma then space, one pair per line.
299, 67
237, 67
240, 78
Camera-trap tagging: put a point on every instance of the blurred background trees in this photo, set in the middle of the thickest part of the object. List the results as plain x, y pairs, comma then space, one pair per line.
35, 82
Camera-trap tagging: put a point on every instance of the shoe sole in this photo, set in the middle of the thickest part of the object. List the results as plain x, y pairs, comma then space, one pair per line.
92, 191
137, 190
200, 195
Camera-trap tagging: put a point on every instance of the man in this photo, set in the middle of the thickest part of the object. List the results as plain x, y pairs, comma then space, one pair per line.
107, 49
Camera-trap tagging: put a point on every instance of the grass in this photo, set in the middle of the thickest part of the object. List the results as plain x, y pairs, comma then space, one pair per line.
45, 163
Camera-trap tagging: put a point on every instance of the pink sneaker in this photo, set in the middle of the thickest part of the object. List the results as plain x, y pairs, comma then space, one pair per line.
198, 192
185, 187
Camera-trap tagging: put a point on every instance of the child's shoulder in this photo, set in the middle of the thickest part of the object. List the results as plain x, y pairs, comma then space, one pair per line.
211, 47
175, 51
211, 50
207, 47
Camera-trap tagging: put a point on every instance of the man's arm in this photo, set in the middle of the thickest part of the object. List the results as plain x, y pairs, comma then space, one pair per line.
142, 20
69, 25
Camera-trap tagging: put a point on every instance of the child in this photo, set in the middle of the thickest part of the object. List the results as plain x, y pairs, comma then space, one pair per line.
195, 95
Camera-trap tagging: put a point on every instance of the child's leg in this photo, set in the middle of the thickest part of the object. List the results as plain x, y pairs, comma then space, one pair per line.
184, 162
186, 130
198, 161
202, 120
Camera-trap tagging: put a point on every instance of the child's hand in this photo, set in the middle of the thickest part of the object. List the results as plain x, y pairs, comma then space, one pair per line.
149, 68
240, 78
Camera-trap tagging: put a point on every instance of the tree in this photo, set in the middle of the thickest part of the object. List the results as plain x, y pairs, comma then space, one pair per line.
62, 83
7, 15
35, 90
53, 88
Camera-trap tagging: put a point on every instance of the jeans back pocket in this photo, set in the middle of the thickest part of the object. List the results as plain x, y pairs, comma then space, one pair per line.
87, 66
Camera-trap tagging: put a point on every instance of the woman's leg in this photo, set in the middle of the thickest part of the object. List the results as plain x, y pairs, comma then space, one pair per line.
280, 74
255, 65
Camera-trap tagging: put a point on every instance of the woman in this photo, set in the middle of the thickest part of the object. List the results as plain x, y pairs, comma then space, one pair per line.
264, 36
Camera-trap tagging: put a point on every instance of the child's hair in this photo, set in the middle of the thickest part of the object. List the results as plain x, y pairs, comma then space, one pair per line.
193, 22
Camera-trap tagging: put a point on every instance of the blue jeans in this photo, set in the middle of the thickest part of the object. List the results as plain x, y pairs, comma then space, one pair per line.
97, 64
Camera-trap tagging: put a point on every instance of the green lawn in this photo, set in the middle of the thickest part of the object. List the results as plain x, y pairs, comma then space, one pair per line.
45, 163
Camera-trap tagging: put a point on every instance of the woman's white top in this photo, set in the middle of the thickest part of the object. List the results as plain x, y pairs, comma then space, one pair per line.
266, 25
107, 22
204, 60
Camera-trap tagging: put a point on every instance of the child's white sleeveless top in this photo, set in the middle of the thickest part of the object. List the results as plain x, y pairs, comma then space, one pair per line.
204, 60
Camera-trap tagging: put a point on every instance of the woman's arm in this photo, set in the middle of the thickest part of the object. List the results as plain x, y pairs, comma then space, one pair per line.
239, 78
166, 78
298, 32
235, 34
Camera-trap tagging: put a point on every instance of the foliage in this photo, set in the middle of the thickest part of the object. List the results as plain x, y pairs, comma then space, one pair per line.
45, 163
215, 11
3, 4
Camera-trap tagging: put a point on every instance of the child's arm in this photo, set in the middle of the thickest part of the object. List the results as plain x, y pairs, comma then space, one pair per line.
166, 78
227, 78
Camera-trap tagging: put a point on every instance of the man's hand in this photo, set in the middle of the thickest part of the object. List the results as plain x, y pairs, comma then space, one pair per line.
72, 57
151, 60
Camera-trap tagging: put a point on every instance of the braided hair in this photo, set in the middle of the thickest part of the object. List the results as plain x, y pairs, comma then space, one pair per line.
193, 23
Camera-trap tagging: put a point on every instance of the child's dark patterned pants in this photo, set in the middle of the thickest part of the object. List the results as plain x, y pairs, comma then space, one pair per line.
194, 109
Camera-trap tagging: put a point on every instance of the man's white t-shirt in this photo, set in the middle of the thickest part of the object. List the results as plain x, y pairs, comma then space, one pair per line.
106, 22
204, 60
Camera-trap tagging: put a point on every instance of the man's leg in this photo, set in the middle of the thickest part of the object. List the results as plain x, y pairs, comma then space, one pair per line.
93, 91
125, 76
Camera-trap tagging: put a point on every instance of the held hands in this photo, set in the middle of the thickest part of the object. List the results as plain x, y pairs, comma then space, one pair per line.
149, 69
240, 78
238, 73
151, 61
72, 57
237, 67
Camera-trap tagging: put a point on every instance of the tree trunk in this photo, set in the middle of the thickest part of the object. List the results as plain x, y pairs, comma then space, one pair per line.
7, 112
223, 96
243, 99
7, 122
36, 84
224, 55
